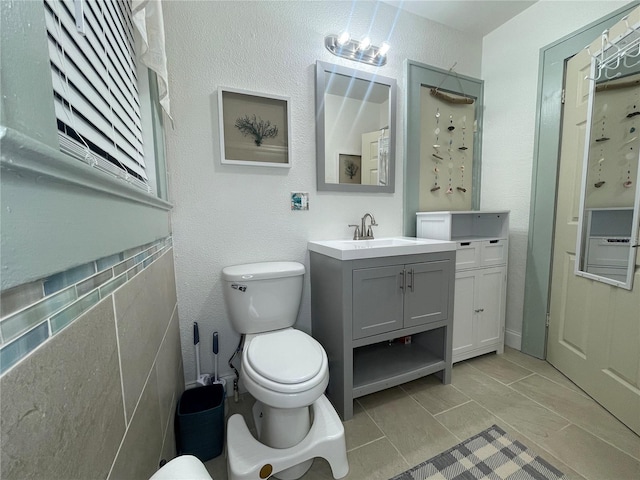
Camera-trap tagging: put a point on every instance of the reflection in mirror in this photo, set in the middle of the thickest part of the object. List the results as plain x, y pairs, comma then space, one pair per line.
610, 196
355, 130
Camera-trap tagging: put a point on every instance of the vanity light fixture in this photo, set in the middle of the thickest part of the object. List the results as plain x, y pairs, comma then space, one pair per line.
364, 44
384, 49
344, 38
358, 50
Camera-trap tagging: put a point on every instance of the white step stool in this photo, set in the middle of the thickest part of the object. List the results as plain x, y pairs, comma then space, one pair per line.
248, 459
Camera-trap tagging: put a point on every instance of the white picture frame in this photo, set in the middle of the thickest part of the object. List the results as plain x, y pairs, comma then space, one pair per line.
255, 128
345, 159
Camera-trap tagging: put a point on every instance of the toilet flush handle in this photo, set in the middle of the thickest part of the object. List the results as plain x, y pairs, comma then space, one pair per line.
237, 286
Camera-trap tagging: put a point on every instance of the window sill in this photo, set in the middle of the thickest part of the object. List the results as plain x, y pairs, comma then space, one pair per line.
20, 153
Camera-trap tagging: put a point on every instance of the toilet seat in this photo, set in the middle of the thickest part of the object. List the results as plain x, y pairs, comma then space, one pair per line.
286, 361
298, 357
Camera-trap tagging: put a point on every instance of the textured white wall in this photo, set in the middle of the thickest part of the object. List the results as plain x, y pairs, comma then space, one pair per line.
226, 215
510, 72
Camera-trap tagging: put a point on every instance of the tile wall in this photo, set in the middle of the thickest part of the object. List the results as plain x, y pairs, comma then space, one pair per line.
95, 396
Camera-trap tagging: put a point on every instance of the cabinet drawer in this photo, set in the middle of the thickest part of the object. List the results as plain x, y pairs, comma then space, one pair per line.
467, 255
493, 252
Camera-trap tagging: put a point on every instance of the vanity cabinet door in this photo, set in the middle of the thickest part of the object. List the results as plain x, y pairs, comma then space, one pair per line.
426, 297
400, 296
377, 300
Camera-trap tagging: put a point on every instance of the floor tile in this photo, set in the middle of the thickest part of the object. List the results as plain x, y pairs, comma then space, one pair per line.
581, 411
416, 434
541, 367
569, 473
217, 467
398, 428
499, 368
360, 430
467, 420
377, 460
510, 406
433, 395
591, 457
320, 470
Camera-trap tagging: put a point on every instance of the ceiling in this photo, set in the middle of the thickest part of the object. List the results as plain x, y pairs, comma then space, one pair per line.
474, 16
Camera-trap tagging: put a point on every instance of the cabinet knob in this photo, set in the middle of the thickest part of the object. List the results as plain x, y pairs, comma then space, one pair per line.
478, 310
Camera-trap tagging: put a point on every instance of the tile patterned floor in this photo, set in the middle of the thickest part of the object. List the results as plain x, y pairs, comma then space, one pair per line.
398, 428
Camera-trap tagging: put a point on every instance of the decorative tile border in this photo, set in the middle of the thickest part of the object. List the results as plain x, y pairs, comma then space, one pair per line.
67, 295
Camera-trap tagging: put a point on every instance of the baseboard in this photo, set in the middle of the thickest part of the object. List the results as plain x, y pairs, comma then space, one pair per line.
513, 339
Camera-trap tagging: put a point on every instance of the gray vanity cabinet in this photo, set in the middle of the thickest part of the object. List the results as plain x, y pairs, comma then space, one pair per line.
382, 321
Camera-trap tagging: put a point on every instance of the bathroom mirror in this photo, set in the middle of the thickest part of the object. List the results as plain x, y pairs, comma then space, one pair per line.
355, 130
607, 242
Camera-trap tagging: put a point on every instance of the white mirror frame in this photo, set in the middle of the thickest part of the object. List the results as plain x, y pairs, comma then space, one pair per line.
635, 229
322, 185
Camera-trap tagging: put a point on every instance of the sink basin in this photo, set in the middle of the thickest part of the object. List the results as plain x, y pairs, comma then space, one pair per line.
379, 247
377, 242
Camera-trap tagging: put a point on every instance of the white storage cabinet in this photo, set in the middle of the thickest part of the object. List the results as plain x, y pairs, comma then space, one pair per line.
482, 244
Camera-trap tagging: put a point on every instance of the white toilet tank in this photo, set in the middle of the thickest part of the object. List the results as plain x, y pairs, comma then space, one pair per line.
265, 296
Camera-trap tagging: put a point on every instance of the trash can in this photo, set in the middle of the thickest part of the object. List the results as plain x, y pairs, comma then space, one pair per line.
199, 422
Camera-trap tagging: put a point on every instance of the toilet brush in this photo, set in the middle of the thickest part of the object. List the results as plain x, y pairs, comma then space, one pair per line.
200, 378
215, 363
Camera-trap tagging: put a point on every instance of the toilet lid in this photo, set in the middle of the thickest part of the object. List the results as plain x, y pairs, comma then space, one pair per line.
288, 356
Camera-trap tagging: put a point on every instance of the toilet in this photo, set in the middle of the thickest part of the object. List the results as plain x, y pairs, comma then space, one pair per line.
286, 371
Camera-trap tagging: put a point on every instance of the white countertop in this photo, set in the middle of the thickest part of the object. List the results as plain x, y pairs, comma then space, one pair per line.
379, 247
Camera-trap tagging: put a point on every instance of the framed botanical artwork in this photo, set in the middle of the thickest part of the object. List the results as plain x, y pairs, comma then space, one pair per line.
254, 128
349, 168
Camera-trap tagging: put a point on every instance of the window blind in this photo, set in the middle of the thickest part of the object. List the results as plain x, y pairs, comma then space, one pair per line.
95, 85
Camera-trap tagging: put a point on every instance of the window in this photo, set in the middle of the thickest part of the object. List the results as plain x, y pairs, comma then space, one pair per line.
95, 85
66, 97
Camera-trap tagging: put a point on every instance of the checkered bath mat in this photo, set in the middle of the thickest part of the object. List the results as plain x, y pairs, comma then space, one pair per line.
491, 454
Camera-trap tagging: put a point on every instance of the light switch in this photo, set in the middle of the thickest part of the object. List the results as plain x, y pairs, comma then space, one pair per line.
299, 200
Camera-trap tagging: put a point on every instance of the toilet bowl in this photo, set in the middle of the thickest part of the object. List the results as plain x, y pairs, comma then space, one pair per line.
286, 371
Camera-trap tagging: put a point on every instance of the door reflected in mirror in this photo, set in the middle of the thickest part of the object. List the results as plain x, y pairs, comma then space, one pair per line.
355, 130
608, 233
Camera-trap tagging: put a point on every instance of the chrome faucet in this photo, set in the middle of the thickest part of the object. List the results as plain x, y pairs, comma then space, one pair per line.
362, 232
